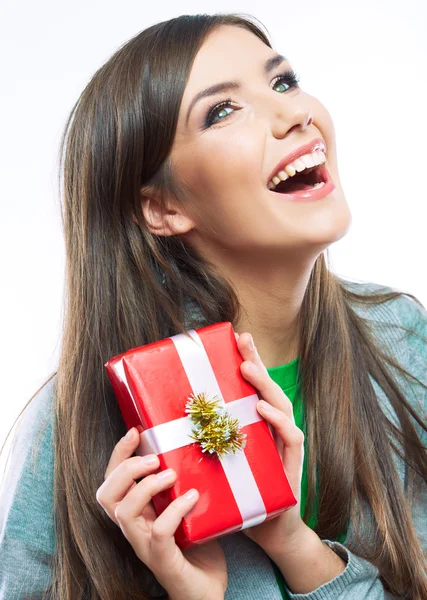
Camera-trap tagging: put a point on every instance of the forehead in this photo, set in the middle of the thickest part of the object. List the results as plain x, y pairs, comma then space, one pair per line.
227, 53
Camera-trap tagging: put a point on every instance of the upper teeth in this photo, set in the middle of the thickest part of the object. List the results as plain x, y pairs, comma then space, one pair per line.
300, 164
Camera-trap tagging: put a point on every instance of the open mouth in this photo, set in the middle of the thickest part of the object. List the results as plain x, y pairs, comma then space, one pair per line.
305, 180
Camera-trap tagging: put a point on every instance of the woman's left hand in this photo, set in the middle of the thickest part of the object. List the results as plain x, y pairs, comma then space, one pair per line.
283, 531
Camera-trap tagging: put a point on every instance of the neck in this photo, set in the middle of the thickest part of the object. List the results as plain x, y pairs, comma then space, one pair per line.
271, 300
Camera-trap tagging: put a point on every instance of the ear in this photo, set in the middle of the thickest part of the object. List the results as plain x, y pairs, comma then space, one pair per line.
163, 220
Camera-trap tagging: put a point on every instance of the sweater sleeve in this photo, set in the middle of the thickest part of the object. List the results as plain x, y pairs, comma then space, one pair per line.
26, 505
360, 579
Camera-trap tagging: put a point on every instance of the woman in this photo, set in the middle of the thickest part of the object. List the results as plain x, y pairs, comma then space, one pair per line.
174, 219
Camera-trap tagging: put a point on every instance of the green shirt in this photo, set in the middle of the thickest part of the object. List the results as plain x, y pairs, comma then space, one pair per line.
286, 377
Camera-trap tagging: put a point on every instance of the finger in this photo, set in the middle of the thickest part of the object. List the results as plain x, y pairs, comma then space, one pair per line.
122, 479
288, 431
156, 547
124, 448
248, 349
138, 497
236, 335
259, 377
291, 437
166, 524
269, 390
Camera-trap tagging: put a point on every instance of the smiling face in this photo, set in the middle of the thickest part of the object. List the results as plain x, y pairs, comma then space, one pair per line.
225, 155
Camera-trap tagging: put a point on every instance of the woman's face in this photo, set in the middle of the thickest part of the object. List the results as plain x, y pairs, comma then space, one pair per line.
227, 163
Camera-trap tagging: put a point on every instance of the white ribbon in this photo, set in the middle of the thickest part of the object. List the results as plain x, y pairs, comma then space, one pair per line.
175, 434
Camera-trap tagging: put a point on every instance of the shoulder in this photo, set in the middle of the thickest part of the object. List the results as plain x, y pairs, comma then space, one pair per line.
26, 503
404, 314
401, 310
33, 439
400, 325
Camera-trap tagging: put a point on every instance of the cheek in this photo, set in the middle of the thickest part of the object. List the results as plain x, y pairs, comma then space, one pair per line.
222, 174
224, 205
229, 159
323, 122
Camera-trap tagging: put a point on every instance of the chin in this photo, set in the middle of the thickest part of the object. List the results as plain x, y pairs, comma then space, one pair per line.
329, 228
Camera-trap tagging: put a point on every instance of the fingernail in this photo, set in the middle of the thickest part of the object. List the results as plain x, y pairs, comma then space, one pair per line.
253, 367
263, 405
251, 343
150, 459
129, 435
165, 475
191, 494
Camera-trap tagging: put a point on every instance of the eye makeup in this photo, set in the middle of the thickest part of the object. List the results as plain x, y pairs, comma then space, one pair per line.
291, 78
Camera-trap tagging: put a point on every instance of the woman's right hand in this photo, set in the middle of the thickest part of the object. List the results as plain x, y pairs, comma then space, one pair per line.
196, 573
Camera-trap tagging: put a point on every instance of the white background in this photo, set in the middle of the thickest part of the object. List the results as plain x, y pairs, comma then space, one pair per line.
366, 61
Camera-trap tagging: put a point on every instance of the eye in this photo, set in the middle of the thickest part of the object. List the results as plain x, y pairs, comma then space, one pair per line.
289, 78
216, 109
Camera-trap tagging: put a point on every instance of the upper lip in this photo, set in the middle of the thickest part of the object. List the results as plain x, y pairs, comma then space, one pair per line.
316, 144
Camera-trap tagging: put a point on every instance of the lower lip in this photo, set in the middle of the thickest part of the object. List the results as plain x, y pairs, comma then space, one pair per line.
312, 193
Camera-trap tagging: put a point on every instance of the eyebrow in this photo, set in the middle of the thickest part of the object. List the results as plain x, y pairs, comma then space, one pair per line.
269, 65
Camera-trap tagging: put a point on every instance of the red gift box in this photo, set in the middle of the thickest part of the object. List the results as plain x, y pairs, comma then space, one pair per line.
152, 385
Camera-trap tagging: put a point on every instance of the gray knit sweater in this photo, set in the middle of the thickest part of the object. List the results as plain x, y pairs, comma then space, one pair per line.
27, 539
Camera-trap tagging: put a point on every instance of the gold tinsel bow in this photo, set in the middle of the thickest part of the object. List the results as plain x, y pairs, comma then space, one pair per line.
213, 427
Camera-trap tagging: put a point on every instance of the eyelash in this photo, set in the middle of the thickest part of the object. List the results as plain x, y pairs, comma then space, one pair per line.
290, 77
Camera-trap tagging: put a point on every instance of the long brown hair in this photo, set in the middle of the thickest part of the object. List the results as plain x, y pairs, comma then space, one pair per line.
126, 287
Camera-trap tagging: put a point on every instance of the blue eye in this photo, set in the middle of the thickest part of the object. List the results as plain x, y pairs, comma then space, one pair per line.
217, 109
290, 79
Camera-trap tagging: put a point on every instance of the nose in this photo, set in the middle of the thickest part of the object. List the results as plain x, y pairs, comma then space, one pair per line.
288, 116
